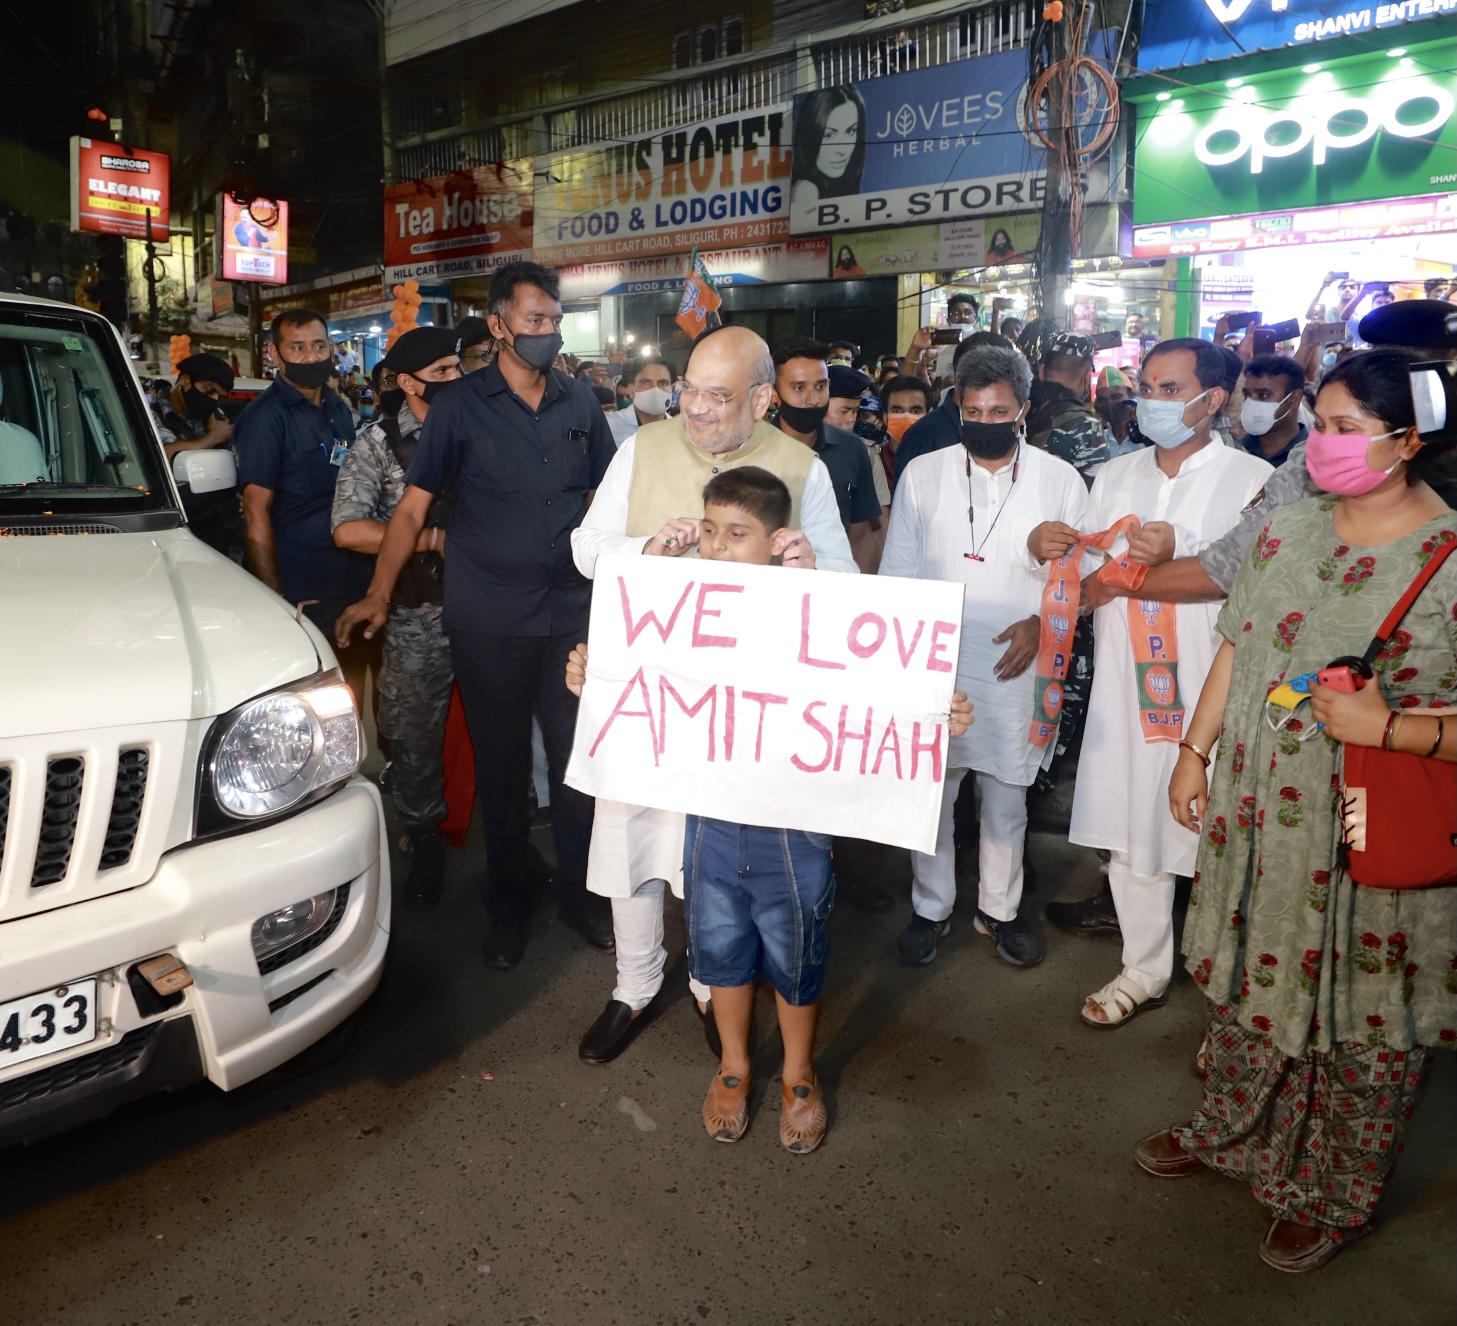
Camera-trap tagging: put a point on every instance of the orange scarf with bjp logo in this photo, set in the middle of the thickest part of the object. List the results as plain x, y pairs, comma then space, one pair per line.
1152, 625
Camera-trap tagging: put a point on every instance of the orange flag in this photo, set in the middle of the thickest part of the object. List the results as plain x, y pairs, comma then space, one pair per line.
700, 299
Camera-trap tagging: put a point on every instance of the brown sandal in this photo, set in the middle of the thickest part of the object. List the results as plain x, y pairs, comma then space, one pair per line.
802, 1119
726, 1107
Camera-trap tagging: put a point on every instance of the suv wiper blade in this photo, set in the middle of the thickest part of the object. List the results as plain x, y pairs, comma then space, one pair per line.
48, 486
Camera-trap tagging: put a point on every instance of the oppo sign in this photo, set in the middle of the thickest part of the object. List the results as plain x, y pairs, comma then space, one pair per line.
1326, 121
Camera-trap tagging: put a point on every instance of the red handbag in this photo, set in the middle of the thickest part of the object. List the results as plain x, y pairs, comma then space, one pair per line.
1399, 811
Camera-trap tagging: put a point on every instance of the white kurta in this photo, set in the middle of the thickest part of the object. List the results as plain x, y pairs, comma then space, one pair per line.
930, 535
1121, 800
633, 844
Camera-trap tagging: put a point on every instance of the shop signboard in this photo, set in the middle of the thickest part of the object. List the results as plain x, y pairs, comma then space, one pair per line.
465, 224
923, 147
756, 264
1392, 218
253, 240
716, 185
973, 243
1353, 131
114, 187
353, 301
1178, 33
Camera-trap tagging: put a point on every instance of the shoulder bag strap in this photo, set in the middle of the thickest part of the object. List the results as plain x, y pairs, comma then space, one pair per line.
1403, 605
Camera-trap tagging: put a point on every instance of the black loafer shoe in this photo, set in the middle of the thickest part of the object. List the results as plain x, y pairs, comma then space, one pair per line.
710, 1029
422, 887
593, 921
1018, 942
610, 1035
1087, 916
505, 944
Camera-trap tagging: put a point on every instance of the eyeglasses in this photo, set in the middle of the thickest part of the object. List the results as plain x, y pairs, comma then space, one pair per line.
716, 400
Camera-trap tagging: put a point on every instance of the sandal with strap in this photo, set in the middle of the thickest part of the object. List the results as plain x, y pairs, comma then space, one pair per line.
802, 1118
726, 1107
1121, 999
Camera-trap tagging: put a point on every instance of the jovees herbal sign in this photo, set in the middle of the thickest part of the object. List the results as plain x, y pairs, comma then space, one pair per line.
770, 696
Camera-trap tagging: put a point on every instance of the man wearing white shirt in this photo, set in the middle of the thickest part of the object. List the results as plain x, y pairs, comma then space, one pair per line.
651, 383
652, 508
964, 513
1187, 491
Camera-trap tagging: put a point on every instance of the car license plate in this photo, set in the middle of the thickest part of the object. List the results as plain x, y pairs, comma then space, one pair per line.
46, 1022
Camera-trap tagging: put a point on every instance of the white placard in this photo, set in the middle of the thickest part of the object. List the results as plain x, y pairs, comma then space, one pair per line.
768, 695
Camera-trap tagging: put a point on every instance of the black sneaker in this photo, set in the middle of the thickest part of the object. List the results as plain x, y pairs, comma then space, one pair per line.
421, 888
1018, 942
917, 942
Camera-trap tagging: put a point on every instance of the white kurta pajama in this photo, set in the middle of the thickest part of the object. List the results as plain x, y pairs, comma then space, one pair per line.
636, 850
929, 537
1120, 802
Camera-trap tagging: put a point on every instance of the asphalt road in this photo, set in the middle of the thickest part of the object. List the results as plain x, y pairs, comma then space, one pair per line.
978, 1167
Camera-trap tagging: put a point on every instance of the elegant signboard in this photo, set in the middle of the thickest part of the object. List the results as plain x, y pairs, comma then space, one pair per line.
1394, 218
1177, 33
716, 185
1358, 130
755, 264
922, 147
761, 695
252, 240
466, 224
114, 187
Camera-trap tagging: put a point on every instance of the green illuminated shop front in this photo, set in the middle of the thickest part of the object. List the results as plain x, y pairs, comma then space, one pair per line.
1287, 188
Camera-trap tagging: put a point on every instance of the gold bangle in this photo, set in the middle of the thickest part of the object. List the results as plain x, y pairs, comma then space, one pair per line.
1203, 755
1396, 730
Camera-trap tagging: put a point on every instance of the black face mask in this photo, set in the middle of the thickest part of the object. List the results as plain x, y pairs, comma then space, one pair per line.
391, 401
430, 390
198, 404
988, 441
869, 431
312, 375
803, 418
539, 352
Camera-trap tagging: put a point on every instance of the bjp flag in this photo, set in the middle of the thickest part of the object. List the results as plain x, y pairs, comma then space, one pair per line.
700, 300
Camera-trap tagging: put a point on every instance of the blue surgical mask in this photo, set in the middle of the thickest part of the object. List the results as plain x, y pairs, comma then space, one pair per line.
1328, 359
1162, 422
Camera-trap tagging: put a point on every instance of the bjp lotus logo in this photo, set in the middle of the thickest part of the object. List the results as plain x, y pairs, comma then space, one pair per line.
1159, 685
1052, 699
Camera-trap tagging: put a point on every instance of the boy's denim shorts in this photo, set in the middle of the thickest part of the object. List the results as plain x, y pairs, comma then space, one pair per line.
757, 900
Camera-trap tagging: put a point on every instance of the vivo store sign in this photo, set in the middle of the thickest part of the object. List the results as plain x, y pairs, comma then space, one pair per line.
1250, 135
1354, 131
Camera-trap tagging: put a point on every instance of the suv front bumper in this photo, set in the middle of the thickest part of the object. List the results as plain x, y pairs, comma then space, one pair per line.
200, 905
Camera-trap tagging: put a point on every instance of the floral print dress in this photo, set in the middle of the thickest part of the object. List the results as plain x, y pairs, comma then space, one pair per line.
1276, 933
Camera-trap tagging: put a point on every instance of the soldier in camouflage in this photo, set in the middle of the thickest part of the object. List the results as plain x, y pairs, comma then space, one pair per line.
416, 676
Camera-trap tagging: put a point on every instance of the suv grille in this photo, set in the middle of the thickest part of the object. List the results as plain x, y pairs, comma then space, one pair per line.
126, 808
4, 807
85, 1068
64, 778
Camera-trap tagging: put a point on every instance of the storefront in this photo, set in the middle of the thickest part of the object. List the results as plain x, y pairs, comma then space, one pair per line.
1274, 180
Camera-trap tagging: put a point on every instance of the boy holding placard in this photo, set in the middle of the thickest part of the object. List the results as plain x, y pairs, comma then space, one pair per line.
757, 899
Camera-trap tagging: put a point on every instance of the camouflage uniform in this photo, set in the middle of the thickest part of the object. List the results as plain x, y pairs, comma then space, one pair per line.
415, 679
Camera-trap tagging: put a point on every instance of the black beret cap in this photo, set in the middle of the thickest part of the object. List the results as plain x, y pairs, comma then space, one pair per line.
1420, 323
421, 347
847, 382
208, 368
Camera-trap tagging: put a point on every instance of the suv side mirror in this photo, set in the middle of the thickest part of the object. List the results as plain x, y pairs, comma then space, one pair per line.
208, 470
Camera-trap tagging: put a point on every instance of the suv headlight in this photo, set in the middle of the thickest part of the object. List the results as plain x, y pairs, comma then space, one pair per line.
274, 752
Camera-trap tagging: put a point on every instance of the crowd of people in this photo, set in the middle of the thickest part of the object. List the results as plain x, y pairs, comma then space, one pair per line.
1228, 522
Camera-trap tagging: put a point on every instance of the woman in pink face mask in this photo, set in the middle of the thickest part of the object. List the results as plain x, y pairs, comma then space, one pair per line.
1328, 1001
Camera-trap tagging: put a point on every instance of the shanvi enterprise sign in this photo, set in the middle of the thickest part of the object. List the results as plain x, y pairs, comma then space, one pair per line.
1356, 130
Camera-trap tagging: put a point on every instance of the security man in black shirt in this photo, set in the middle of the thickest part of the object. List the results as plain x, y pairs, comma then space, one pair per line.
523, 448
190, 418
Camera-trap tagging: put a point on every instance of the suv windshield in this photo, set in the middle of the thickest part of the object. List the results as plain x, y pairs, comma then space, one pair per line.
74, 435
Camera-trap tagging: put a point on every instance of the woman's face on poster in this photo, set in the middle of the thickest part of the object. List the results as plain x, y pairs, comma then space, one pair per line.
842, 133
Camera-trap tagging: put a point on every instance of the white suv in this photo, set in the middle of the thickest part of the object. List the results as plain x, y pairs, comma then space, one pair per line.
194, 880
